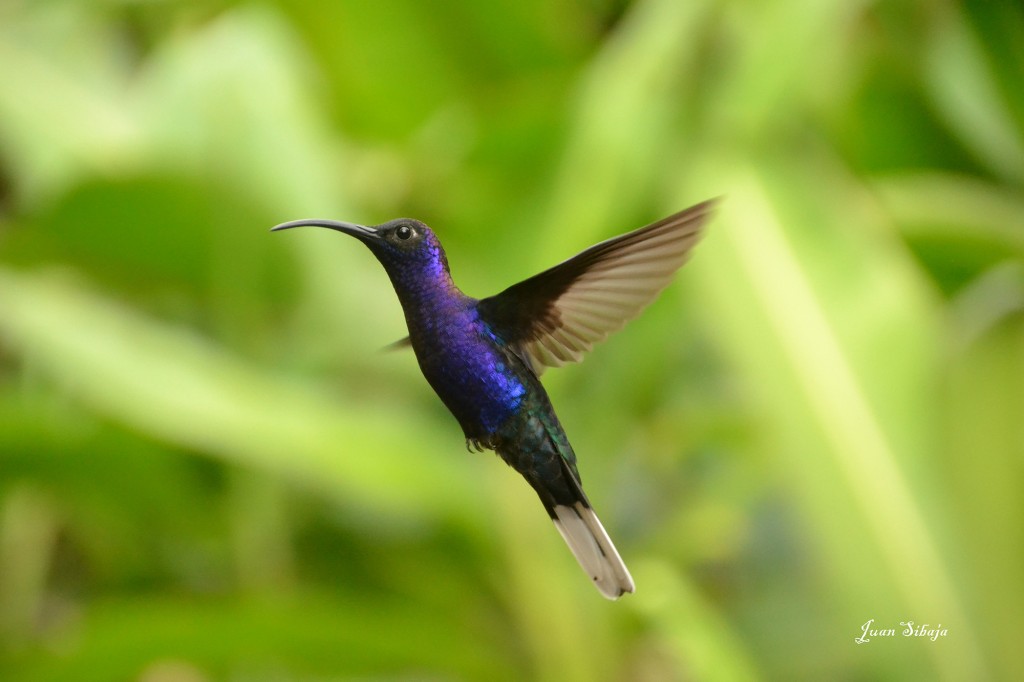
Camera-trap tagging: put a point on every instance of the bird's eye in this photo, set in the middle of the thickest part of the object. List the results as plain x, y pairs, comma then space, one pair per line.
403, 232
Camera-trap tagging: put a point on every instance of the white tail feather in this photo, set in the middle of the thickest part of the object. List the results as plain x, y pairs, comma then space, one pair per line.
592, 547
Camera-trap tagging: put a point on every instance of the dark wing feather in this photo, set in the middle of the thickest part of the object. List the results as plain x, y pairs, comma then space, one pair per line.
555, 317
401, 344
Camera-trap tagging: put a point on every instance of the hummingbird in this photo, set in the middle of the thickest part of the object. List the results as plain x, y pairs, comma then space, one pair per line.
484, 357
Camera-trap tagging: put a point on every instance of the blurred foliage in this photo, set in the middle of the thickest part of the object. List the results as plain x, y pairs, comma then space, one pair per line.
207, 471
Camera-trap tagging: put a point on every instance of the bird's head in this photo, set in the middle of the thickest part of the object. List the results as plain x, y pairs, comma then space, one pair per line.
403, 246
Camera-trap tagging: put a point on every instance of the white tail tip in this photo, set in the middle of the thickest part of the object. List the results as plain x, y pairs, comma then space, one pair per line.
592, 547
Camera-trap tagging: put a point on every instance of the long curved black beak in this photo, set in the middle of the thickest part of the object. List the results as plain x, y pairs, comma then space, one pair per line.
361, 232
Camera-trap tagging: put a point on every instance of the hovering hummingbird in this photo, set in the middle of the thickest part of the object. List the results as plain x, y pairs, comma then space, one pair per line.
483, 357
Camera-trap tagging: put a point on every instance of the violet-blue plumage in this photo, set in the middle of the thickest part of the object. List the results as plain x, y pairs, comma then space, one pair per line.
457, 352
483, 357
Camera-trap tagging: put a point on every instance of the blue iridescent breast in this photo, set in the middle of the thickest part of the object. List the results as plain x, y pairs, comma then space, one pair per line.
477, 378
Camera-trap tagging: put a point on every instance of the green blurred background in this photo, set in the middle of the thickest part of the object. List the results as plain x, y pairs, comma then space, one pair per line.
209, 472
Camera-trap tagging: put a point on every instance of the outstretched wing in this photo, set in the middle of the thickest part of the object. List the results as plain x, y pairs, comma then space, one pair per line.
555, 317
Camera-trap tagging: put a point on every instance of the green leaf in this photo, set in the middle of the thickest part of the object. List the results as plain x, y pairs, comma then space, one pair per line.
172, 384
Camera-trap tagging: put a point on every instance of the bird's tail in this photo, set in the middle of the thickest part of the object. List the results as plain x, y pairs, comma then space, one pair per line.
592, 547
538, 449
